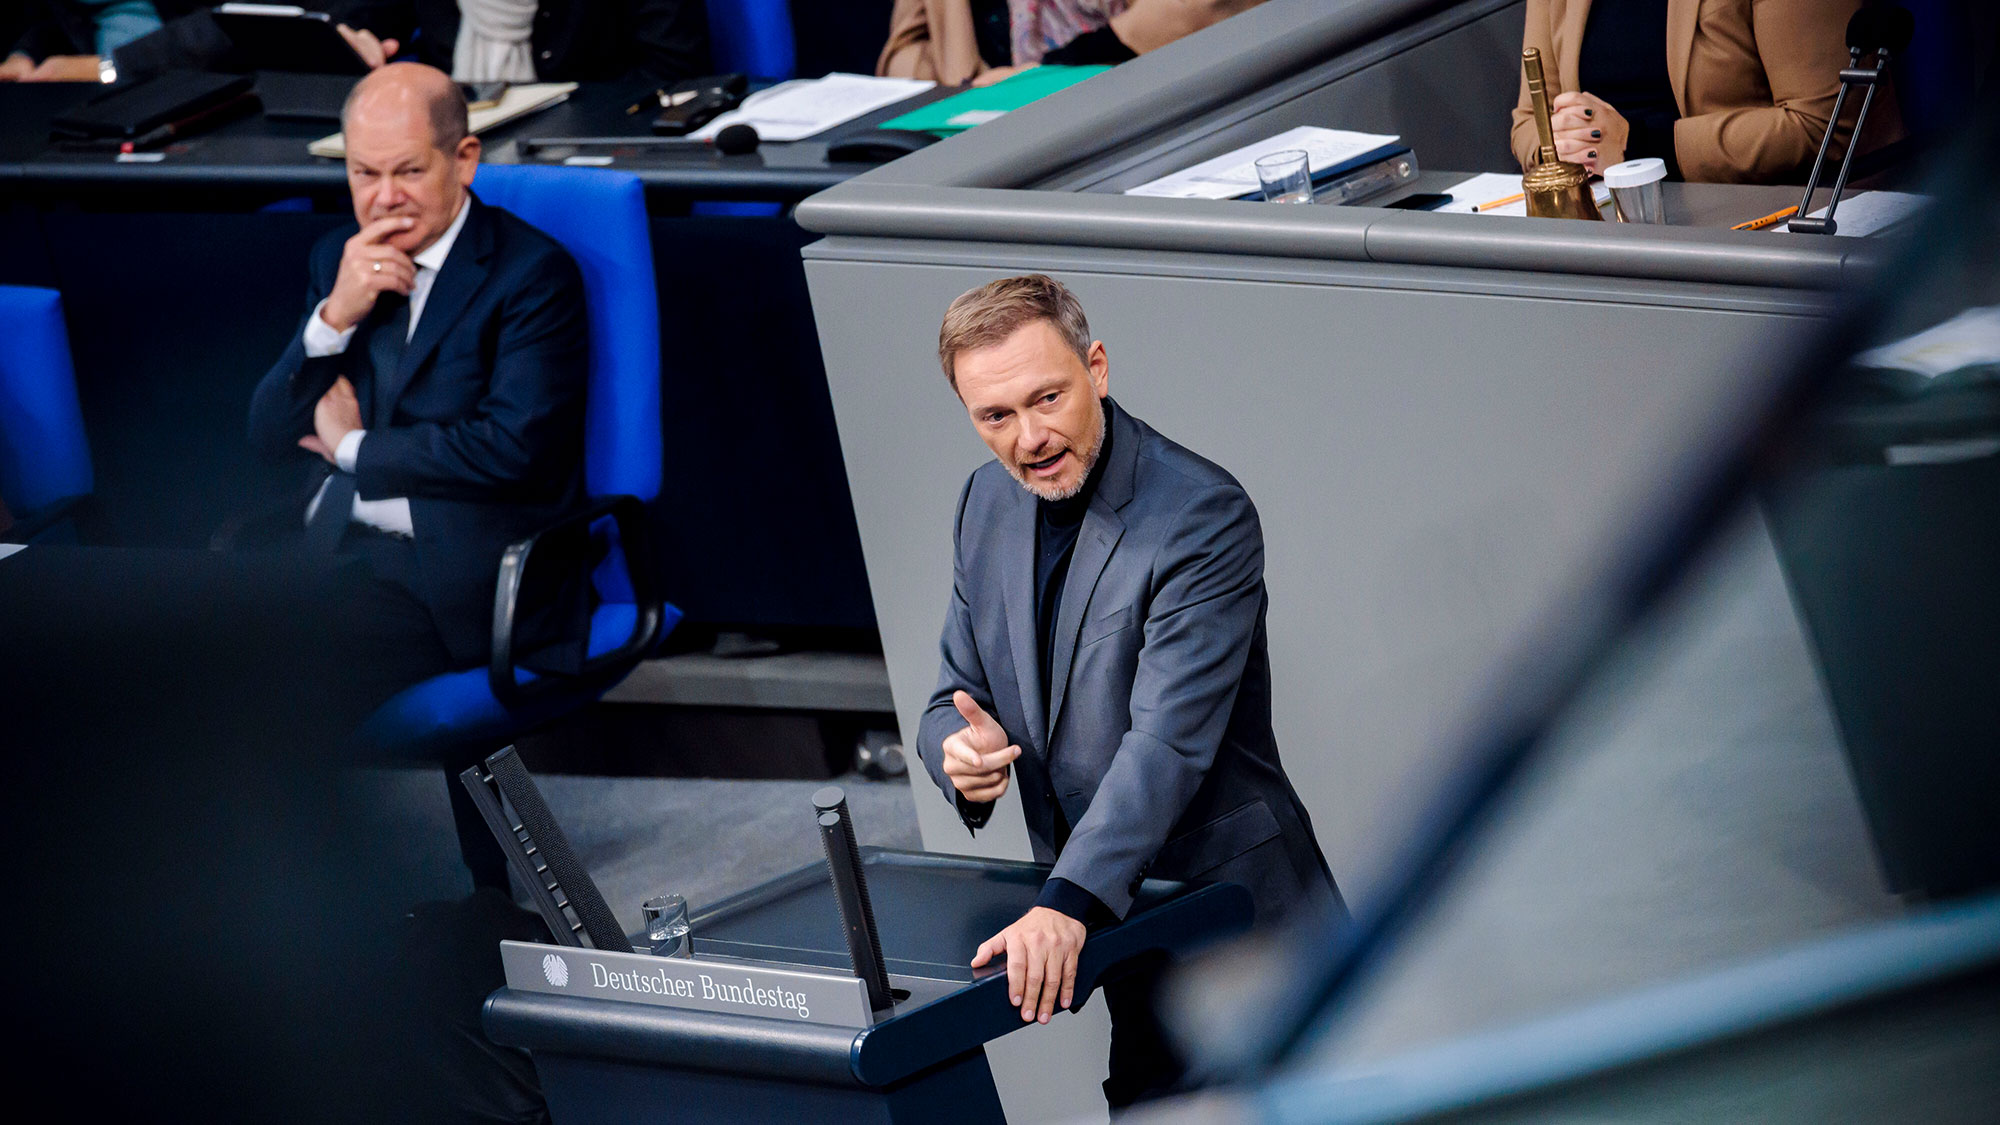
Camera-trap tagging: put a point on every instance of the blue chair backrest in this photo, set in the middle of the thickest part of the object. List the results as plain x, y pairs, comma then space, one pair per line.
44, 456
752, 37
600, 218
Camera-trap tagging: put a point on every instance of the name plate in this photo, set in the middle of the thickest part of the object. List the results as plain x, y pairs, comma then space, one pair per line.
685, 982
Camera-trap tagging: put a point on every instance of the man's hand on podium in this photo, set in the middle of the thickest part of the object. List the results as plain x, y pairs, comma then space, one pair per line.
1041, 952
976, 758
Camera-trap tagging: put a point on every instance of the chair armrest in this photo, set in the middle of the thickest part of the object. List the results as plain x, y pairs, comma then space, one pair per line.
629, 514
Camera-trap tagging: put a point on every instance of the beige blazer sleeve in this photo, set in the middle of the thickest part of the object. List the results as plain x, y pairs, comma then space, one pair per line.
1754, 81
931, 39
1759, 82
934, 38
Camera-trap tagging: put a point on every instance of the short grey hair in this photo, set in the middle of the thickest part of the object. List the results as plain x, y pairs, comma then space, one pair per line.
450, 122
996, 310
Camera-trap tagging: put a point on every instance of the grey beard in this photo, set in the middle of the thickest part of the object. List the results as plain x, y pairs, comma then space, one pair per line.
1089, 462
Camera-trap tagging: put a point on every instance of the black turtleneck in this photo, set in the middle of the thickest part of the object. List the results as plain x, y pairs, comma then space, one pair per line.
1057, 523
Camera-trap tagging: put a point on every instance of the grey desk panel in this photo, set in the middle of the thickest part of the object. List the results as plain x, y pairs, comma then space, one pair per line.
1026, 257
1426, 462
1200, 226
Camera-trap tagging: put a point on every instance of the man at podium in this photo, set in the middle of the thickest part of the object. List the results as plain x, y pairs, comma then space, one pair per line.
1105, 650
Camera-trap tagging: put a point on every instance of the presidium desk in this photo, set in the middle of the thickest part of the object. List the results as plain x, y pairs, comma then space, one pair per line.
1439, 417
766, 1023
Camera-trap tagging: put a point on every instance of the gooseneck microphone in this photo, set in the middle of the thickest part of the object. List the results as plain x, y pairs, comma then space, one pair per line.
850, 890
1883, 31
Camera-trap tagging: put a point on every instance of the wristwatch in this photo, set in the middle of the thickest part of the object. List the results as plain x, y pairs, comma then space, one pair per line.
107, 70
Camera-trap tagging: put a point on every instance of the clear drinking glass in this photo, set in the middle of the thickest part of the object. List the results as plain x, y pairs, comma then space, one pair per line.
1285, 177
667, 925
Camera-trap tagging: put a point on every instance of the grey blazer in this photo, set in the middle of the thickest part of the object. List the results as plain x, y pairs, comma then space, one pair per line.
1156, 741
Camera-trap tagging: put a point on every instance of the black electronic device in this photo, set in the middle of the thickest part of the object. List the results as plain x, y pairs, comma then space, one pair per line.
1421, 201
877, 146
687, 106
290, 38
540, 854
174, 99
291, 96
1879, 31
850, 891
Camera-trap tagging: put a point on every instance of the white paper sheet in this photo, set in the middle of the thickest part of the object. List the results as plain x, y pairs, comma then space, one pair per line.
1489, 186
1970, 339
1235, 173
792, 111
1864, 214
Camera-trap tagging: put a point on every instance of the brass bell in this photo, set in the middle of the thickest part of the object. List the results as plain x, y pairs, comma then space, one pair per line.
1555, 188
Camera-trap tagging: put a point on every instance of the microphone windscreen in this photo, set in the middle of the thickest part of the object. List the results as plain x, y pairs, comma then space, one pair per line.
737, 140
1885, 27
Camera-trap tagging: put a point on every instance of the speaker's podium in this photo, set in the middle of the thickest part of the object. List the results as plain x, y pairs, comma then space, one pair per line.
770, 1016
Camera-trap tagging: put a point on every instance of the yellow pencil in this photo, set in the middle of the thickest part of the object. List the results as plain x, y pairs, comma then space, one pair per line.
1771, 219
1514, 198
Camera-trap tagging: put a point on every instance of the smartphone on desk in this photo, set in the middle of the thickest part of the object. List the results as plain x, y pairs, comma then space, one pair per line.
1422, 201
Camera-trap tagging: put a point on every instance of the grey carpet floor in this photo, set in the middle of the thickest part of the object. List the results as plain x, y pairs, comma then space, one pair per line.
639, 836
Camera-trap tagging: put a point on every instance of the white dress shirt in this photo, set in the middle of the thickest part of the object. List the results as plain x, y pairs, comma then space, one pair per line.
393, 514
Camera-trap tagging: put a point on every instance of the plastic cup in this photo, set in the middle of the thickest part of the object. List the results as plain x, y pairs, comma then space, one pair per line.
1635, 190
1285, 177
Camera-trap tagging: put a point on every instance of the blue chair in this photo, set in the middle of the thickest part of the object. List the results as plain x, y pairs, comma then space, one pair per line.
600, 217
752, 37
44, 458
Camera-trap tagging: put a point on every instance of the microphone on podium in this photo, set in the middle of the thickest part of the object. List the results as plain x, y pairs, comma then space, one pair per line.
1883, 31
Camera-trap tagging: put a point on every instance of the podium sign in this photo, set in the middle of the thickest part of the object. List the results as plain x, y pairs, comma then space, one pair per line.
729, 987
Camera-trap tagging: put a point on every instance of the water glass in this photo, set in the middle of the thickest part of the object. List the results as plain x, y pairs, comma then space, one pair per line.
1285, 177
667, 925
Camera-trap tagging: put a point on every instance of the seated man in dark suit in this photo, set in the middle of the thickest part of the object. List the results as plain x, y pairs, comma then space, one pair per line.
1105, 649
438, 379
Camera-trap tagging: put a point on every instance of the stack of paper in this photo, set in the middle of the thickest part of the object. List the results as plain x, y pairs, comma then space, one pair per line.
518, 101
794, 110
1234, 173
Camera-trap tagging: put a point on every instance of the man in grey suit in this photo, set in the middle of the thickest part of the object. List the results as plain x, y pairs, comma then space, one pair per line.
1105, 650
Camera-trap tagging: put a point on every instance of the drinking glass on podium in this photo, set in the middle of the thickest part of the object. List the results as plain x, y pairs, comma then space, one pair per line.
667, 925
1285, 176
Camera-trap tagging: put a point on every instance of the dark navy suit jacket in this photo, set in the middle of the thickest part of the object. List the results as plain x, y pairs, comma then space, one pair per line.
1156, 742
481, 423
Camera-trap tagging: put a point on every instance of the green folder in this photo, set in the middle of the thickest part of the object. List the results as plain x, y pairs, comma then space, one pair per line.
953, 115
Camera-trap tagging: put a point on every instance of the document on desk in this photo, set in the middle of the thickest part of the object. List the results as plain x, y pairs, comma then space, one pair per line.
795, 110
1871, 211
1488, 187
518, 101
1969, 340
1234, 173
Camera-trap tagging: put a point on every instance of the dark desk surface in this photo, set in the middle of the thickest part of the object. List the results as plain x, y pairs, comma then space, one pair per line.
259, 154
